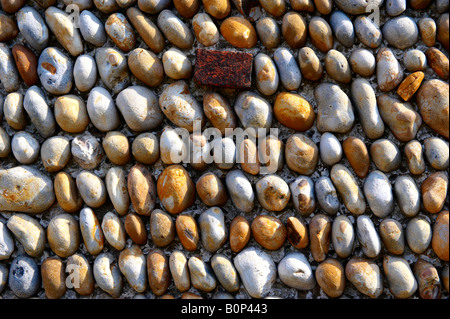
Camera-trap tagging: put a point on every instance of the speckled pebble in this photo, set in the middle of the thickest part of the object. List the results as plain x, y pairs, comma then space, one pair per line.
327, 195
24, 277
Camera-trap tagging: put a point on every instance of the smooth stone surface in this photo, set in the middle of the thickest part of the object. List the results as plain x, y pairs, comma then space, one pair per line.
257, 271
107, 274
113, 69
368, 32
330, 149
145, 148
202, 276
418, 234
53, 278
148, 30
356, 152
8, 70
71, 113
175, 30
225, 272
172, 148
348, 189
63, 235
205, 30
342, 28
319, 236
434, 190
240, 191
386, 155
428, 280
66, 193
253, 111
267, 78
302, 154
268, 231
25, 147
364, 99
365, 275
40, 114
362, 62
24, 278
116, 186
295, 271
91, 28
78, 266
25, 189
55, 153
439, 241
213, 230
139, 107
343, 236
113, 231
14, 111
392, 236
26, 63
187, 231
337, 67
6, 242
310, 66
33, 28
268, 32
415, 60
132, 264
85, 73
176, 64
320, 34
135, 228
92, 189
29, 233
272, 192
378, 193
414, 157
401, 32
303, 197
407, 195
179, 270
395, 7
158, 271
400, 277
211, 190
120, 31
294, 30
240, 233
326, 195
330, 276
91, 231
335, 111
219, 112
368, 236
142, 189
288, 69
427, 29
389, 72
437, 152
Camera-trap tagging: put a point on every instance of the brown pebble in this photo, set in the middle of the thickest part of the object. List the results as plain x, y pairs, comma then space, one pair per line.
392, 235
167, 297
146, 66
239, 32
410, 85
438, 62
158, 272
269, 232
219, 111
53, 278
324, 6
211, 190
274, 7
310, 65
428, 279
148, 31
321, 34
187, 8
117, 148
187, 231
357, 155
71, 113
141, 189
219, 9
12, 6
26, 62
414, 157
190, 295
294, 30
120, 31
162, 228
434, 192
66, 192
330, 276
249, 157
440, 240
427, 29
319, 236
8, 28
294, 111
297, 233
135, 228
302, 154
442, 30
78, 268
240, 232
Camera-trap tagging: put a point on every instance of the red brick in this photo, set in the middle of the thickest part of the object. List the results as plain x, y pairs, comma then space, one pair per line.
225, 69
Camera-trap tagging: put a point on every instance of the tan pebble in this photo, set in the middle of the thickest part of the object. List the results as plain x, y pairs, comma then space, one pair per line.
71, 113
145, 148
219, 111
321, 34
114, 231
63, 234
294, 111
356, 152
187, 8
294, 29
179, 270
337, 66
187, 231
116, 185
146, 66
268, 32
148, 31
310, 65
438, 62
211, 190
28, 232
240, 233
239, 32
162, 228
427, 29
400, 278
392, 235
302, 5
365, 275
440, 241
14, 111
190, 295
249, 157
91, 231
434, 192
158, 272
141, 188
297, 233
176, 64
66, 192
120, 31
302, 154
205, 30
91, 188
219, 9
272, 192
330, 276
167, 297
414, 157
428, 279
319, 236
79, 269
53, 278
268, 231
442, 30
117, 148
55, 153
175, 188
274, 7
135, 228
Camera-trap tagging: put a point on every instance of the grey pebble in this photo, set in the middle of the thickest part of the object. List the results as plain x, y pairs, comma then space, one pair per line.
330, 149
356, 6
437, 152
29, 233
267, 78
102, 110
442, 6
268, 32
87, 151
25, 147
24, 277
175, 30
224, 156
389, 70
327, 195
85, 73
107, 274
395, 7
5, 143
202, 276
378, 193
39, 112
113, 68
55, 70
303, 197
368, 32
407, 195
33, 28
240, 191
337, 66
225, 272
288, 69
368, 236
257, 271
386, 155
348, 189
8, 71
3, 276
342, 28
343, 236
91, 28
418, 234
295, 271
213, 230
6, 244
415, 60
253, 111
362, 62
153, 6
400, 277
92, 189
401, 32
